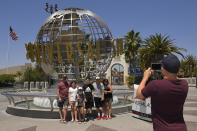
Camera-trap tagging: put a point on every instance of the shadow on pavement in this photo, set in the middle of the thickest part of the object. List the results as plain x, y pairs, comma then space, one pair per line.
33, 128
94, 127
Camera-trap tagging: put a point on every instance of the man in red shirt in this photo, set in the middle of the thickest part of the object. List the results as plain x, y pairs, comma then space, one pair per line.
167, 96
62, 93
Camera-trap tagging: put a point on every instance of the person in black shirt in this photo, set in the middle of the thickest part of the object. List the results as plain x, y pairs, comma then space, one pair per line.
88, 89
108, 98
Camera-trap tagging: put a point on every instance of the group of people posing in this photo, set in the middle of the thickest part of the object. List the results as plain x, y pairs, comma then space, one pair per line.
81, 98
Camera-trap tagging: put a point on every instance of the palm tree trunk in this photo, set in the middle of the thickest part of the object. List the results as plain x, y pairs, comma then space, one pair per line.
134, 66
132, 62
130, 66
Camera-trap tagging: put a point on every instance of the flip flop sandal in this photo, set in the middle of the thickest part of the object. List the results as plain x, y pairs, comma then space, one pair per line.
64, 121
61, 121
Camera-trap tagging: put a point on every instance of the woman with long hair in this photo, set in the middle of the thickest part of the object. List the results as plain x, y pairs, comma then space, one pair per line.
107, 98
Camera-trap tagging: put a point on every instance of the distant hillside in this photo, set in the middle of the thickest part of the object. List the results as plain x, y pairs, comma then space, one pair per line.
14, 69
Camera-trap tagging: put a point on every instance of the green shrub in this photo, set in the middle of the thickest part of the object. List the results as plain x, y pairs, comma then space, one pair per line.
7, 80
130, 80
36, 74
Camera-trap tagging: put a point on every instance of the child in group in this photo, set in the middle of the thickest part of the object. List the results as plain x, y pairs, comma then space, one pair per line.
72, 95
88, 89
81, 104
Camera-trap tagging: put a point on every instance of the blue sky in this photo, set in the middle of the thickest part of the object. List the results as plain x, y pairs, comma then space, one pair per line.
177, 18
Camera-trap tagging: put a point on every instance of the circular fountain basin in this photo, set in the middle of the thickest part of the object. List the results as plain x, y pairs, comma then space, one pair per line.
22, 103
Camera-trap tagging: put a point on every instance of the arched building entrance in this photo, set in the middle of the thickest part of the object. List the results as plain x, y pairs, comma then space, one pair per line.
117, 74
117, 71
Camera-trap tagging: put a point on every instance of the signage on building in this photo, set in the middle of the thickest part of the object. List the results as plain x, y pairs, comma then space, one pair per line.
138, 71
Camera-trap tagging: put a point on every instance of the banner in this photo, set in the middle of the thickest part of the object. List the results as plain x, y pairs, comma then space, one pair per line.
81, 57
43, 52
50, 52
27, 51
32, 53
113, 47
98, 49
90, 54
141, 108
37, 52
59, 57
69, 52
119, 45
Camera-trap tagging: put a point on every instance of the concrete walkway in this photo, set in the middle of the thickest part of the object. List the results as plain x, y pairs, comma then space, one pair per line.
121, 122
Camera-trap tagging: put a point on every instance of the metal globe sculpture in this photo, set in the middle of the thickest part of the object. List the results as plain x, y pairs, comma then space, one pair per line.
75, 42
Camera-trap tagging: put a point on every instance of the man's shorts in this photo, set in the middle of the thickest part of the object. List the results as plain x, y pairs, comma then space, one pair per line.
64, 102
98, 102
89, 103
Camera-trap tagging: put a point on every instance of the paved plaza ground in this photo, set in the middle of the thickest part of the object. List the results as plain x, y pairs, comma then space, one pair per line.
120, 122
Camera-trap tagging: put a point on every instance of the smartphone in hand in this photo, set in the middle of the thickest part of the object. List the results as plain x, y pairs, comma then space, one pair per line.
156, 66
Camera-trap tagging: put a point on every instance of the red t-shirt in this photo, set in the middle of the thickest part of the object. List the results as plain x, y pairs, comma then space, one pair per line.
63, 89
167, 100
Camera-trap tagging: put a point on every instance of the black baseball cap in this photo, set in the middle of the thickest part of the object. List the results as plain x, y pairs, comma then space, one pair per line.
171, 64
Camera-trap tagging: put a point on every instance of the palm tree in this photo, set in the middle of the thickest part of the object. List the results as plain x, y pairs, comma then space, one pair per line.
19, 74
188, 65
156, 47
131, 47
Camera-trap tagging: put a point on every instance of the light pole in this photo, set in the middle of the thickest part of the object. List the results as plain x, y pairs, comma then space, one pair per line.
28, 78
190, 70
50, 8
196, 77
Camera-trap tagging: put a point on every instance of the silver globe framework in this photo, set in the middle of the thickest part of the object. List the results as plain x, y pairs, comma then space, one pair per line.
74, 25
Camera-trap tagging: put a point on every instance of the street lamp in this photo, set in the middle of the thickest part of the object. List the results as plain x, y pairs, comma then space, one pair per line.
191, 70
52, 9
56, 7
196, 77
28, 69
